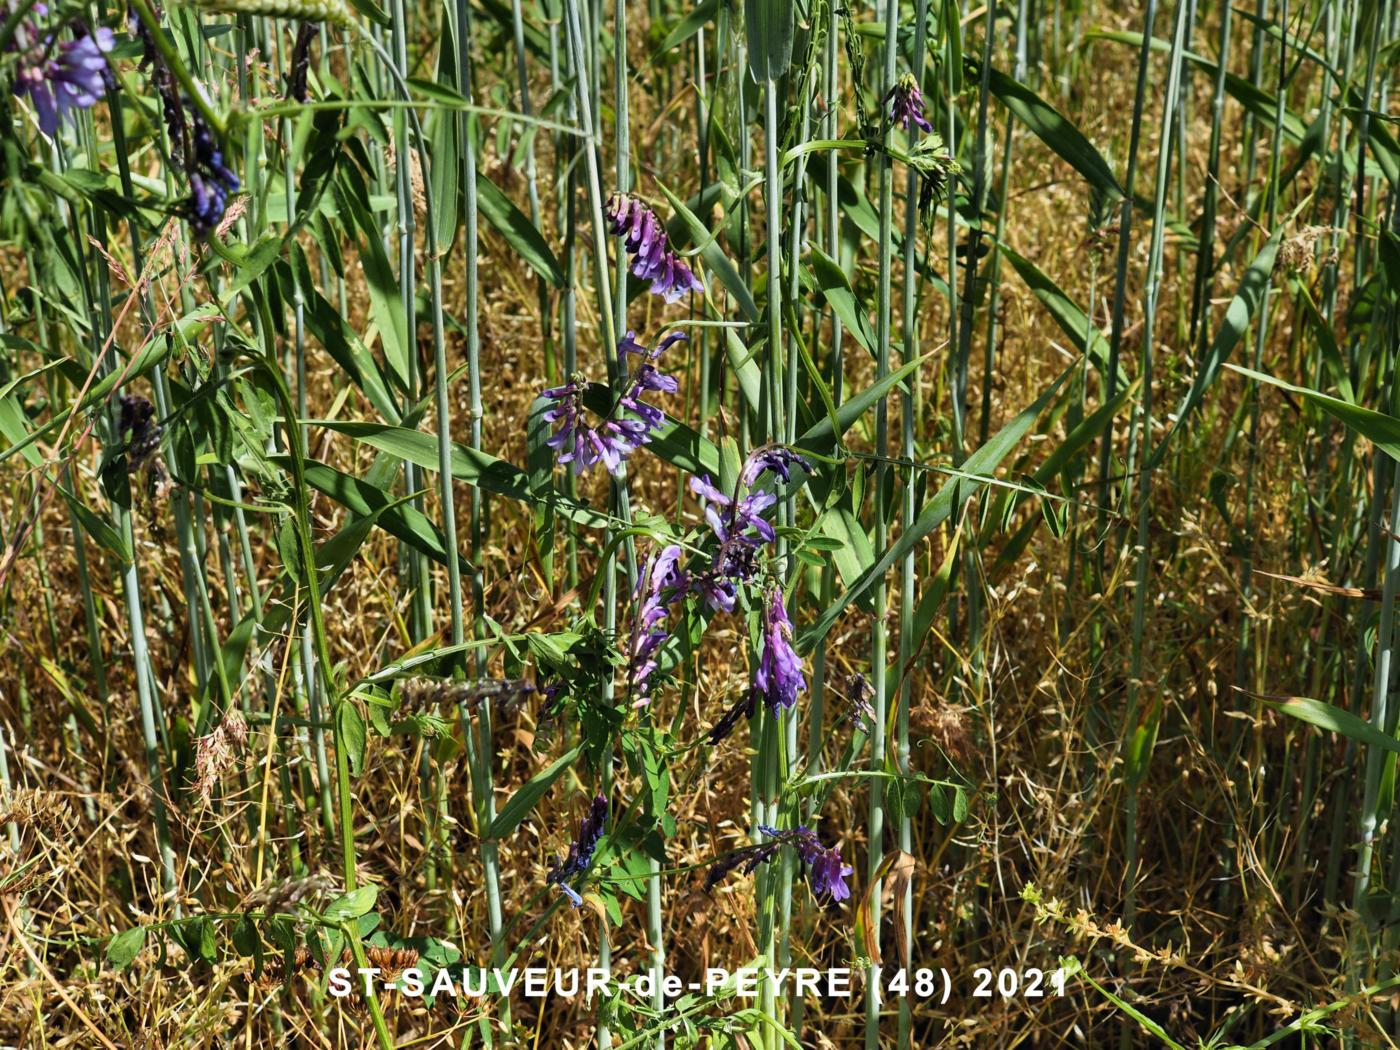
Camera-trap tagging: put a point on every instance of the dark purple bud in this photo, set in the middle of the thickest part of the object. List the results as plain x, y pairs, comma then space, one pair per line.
580, 850
741, 708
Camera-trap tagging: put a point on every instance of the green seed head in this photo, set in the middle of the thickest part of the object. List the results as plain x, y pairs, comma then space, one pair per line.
336, 12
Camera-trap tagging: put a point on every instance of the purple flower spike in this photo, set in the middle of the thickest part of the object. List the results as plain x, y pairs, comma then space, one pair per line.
211, 180
907, 104
779, 676
825, 872
747, 860
62, 78
654, 260
580, 850
777, 458
662, 583
628, 427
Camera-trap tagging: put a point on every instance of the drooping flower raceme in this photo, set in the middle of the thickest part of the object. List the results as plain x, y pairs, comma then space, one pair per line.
825, 872
653, 258
661, 584
776, 458
211, 180
906, 104
738, 522
627, 427
580, 850
779, 676
58, 77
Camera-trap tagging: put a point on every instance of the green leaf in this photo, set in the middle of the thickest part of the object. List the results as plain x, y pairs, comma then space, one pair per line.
365, 500
1337, 369
1056, 131
687, 27
1335, 720
471, 466
1073, 321
952, 33
854, 555
716, 261
1381, 430
353, 904
350, 734
529, 794
99, 530
1254, 286
769, 25
1087, 430
520, 233
335, 333
125, 946
385, 305
444, 136
948, 499
828, 280
932, 598
822, 439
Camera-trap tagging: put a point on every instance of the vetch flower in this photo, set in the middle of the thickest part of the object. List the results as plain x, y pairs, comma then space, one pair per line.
136, 423
578, 442
858, 709
777, 458
825, 872
211, 180
735, 560
827, 875
628, 426
661, 584
743, 707
61, 77
646, 240
779, 676
907, 104
176, 123
739, 523
580, 850
746, 859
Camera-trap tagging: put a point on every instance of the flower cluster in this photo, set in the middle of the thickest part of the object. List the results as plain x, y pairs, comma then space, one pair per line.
779, 676
627, 427
646, 239
662, 583
211, 180
738, 522
906, 104
826, 874
580, 850
59, 76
